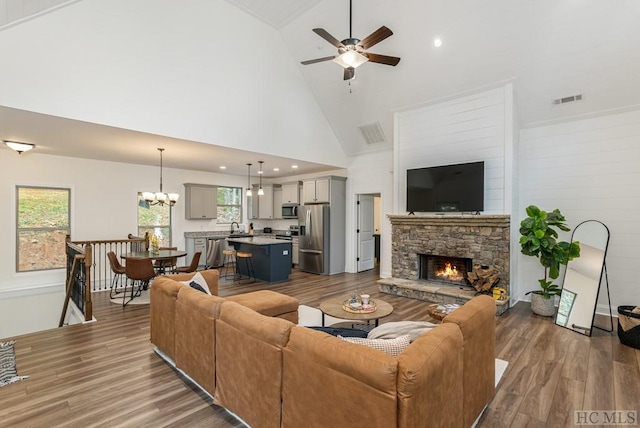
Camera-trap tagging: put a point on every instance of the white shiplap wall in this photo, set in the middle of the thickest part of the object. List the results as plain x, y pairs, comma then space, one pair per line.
475, 127
589, 170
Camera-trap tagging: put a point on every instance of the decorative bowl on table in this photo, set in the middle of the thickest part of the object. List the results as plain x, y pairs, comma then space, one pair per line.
358, 307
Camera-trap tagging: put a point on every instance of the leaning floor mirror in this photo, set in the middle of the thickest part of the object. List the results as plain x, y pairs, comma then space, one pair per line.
582, 278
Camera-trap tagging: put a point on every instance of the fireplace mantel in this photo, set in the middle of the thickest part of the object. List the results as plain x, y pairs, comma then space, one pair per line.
450, 220
485, 239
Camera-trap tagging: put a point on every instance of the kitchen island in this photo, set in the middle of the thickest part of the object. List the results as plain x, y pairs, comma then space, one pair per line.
271, 257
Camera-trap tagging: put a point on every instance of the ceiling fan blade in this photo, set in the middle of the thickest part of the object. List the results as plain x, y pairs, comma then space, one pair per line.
328, 37
349, 73
383, 59
313, 61
376, 37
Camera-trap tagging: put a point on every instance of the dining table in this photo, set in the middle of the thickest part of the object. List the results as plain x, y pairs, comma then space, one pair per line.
157, 255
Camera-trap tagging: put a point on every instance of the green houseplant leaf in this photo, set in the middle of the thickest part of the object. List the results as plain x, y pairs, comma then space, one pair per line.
538, 238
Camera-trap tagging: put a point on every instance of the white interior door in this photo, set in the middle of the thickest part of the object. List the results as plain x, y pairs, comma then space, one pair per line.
365, 232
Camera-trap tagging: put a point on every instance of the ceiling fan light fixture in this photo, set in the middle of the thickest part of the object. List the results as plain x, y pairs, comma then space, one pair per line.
19, 147
350, 58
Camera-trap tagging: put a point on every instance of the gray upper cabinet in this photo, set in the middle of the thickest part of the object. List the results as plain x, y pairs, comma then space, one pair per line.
200, 201
291, 193
316, 191
261, 207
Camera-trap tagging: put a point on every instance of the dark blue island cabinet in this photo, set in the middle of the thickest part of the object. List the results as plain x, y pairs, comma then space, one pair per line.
271, 257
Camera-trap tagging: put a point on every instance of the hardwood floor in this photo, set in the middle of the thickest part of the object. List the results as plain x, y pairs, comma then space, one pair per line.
106, 373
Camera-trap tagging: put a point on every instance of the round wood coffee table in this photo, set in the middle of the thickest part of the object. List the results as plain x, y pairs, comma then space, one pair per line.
333, 307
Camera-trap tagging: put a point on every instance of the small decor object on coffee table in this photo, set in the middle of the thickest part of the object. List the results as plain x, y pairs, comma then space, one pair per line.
339, 307
359, 307
438, 311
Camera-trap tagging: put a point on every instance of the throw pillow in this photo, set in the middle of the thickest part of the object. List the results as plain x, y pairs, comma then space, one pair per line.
391, 330
195, 286
344, 332
390, 346
8, 371
199, 280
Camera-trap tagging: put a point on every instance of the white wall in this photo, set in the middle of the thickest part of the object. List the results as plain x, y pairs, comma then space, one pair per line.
370, 173
200, 70
589, 170
104, 202
475, 127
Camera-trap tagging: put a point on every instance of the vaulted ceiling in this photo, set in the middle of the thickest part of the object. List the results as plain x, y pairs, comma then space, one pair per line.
548, 49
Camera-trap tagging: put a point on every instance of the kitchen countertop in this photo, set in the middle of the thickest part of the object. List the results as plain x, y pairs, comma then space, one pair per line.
259, 240
225, 234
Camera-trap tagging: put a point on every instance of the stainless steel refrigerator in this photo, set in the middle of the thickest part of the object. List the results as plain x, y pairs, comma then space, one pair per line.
313, 222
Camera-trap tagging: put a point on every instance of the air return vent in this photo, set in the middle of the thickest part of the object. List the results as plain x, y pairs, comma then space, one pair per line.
372, 133
569, 99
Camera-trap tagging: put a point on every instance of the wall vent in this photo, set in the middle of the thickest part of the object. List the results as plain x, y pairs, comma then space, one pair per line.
372, 133
569, 99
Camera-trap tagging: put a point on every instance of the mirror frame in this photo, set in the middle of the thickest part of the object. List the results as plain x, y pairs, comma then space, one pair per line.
603, 273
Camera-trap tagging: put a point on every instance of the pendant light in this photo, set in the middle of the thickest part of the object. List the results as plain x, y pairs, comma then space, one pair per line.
260, 191
160, 198
249, 180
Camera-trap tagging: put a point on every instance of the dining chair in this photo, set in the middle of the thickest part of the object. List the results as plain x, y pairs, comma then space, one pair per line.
118, 271
140, 272
192, 267
163, 265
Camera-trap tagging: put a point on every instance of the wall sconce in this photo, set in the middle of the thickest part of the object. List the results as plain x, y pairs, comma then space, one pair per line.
19, 147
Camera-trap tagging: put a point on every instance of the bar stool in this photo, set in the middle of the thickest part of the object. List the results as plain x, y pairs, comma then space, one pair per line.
246, 256
229, 261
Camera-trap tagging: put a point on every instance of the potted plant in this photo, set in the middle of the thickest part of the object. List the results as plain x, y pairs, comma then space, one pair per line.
539, 239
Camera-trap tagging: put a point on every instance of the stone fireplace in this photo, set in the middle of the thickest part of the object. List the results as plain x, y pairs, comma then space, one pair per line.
418, 241
445, 269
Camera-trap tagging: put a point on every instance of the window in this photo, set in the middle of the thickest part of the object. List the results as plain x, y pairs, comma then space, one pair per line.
229, 205
42, 225
155, 219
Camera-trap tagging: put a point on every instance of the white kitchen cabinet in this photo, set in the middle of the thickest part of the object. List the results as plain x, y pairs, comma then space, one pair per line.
262, 206
290, 193
194, 245
277, 202
200, 201
295, 247
316, 191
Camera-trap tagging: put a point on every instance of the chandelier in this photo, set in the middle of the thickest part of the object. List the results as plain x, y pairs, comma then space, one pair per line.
160, 198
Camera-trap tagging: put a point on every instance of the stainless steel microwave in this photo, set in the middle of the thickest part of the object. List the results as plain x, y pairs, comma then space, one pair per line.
289, 210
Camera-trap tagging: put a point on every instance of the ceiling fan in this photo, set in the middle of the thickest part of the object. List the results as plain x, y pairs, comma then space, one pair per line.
352, 52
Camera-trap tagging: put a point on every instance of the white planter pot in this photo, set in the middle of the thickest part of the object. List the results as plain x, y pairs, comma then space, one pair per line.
542, 306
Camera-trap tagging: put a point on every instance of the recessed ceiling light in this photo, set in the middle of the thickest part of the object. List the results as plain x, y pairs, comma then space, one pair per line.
223, 167
294, 166
437, 42
276, 169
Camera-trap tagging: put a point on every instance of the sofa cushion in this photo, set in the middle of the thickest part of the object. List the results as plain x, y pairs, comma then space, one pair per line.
198, 282
391, 330
390, 346
269, 303
329, 382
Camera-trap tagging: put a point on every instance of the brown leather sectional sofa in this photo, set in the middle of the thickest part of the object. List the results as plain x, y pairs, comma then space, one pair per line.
248, 353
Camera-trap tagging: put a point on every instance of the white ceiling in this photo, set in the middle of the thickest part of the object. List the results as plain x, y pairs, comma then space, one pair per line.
547, 49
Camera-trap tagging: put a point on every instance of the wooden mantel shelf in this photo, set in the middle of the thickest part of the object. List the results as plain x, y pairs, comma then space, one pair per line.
450, 219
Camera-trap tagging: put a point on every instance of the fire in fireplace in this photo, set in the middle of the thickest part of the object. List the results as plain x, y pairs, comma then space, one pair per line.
449, 270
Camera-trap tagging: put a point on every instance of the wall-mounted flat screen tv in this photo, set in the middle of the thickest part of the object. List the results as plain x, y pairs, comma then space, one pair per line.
447, 188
